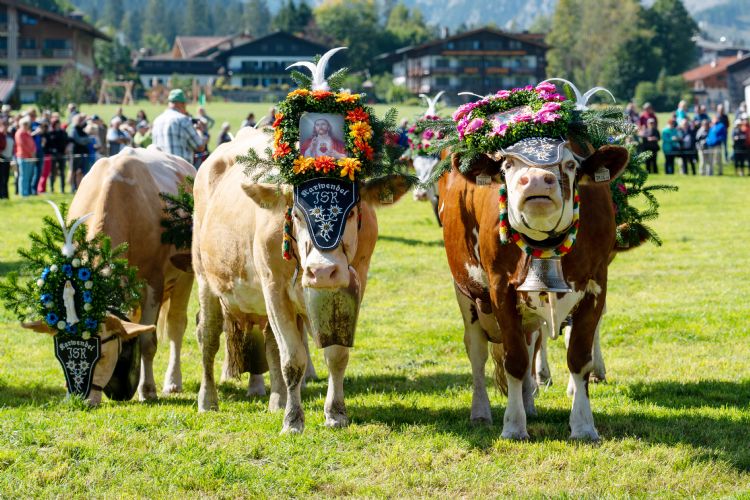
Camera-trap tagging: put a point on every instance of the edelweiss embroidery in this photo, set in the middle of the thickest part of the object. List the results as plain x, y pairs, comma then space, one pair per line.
325, 221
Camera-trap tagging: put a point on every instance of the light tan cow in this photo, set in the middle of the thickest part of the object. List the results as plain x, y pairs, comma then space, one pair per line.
122, 192
241, 273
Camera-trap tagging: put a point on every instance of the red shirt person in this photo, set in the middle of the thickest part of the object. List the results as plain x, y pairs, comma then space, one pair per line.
322, 143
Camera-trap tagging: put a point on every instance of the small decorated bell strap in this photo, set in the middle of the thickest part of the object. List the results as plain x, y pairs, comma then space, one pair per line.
286, 245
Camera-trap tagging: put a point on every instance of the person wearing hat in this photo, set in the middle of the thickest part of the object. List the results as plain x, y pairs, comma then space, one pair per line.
173, 130
142, 138
225, 135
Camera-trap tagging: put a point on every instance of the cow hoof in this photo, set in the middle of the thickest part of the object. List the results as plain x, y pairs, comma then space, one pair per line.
518, 435
275, 402
95, 397
481, 421
257, 386
531, 411
293, 427
337, 420
543, 380
207, 401
147, 393
585, 434
597, 379
172, 389
310, 374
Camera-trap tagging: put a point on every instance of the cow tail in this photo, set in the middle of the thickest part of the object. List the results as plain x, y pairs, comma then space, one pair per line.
234, 362
498, 357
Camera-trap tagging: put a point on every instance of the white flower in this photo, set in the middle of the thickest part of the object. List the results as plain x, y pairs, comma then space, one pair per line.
76, 262
49, 305
89, 285
61, 325
87, 307
40, 282
106, 271
53, 268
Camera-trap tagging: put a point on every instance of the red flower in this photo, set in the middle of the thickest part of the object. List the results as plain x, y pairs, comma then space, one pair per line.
282, 149
365, 148
324, 164
357, 115
278, 119
321, 94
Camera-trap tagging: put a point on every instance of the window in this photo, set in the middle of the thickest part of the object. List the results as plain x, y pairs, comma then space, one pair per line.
29, 19
27, 43
3, 71
3, 43
442, 81
28, 70
441, 62
56, 43
51, 70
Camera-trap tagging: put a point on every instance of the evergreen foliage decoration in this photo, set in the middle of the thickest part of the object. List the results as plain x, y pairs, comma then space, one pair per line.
587, 127
102, 280
178, 220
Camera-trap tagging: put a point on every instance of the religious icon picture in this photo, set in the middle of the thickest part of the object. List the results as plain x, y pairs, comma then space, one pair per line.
322, 134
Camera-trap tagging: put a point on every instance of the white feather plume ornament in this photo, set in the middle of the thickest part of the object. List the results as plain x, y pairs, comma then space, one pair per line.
318, 70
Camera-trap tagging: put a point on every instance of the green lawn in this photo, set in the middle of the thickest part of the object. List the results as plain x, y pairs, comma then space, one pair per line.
674, 416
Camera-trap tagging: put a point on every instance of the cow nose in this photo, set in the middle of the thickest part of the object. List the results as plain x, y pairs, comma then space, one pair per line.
523, 180
322, 275
549, 179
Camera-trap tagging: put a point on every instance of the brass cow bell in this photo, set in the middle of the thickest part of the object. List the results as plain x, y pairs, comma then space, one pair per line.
545, 275
333, 313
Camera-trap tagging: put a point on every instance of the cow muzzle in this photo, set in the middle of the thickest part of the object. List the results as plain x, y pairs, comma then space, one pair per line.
333, 312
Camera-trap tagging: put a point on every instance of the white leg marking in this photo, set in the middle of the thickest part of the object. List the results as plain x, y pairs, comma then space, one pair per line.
543, 373
209, 329
529, 383
148, 341
581, 418
514, 420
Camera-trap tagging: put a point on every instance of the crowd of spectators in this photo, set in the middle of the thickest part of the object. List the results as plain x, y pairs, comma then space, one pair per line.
699, 140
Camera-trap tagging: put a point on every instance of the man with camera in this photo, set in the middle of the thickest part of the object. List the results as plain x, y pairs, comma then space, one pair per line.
173, 130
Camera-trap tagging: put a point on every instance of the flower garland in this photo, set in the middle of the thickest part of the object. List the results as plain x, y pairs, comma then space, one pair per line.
72, 290
495, 122
421, 137
507, 233
286, 244
358, 131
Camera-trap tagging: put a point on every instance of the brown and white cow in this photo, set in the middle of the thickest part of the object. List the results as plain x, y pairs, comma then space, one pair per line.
237, 257
487, 273
122, 192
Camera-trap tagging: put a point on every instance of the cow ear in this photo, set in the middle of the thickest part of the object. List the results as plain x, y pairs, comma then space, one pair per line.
125, 329
182, 261
39, 326
268, 195
384, 190
605, 165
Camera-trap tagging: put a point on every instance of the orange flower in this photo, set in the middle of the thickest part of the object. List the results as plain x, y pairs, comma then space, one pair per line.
278, 119
321, 94
298, 92
324, 164
360, 130
357, 115
349, 166
282, 149
365, 148
347, 97
277, 136
302, 164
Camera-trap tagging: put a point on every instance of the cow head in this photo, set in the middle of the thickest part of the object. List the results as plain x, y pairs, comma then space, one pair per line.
112, 334
541, 176
328, 268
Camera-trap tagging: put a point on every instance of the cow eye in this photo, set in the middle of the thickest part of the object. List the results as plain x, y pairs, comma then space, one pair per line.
570, 165
351, 214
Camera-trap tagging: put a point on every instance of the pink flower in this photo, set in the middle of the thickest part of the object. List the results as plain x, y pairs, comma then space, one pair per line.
545, 117
557, 97
529, 87
412, 129
546, 87
474, 125
499, 129
428, 134
622, 188
502, 94
461, 126
550, 106
522, 117
463, 110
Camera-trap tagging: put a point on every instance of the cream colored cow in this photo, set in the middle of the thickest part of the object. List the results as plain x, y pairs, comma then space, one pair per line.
122, 192
241, 273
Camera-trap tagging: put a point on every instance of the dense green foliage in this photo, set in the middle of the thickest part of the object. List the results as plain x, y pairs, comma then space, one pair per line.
673, 416
663, 94
178, 216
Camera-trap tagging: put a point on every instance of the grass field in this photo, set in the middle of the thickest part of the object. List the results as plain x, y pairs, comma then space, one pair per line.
674, 415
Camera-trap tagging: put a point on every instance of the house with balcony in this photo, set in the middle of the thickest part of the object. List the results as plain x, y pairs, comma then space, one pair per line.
36, 44
481, 61
243, 61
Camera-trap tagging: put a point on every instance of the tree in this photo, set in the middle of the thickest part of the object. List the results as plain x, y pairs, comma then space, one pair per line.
354, 24
113, 13
405, 27
257, 17
561, 60
113, 59
131, 27
674, 30
541, 24
664, 94
197, 18
155, 23
156, 43
59, 6
292, 18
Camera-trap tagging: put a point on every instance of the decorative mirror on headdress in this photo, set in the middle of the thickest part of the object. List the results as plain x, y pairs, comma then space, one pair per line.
71, 290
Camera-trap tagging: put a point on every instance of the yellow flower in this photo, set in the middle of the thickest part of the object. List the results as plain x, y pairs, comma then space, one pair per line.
277, 136
349, 167
295, 93
302, 164
360, 130
347, 97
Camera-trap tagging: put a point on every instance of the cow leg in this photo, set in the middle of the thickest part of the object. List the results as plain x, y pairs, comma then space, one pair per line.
475, 341
310, 373
210, 322
580, 364
529, 387
148, 341
516, 366
176, 319
277, 400
600, 372
337, 358
543, 373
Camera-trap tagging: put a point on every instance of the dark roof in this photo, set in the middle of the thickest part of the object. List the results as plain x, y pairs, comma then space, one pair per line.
315, 48
62, 19
159, 65
530, 38
194, 46
739, 64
